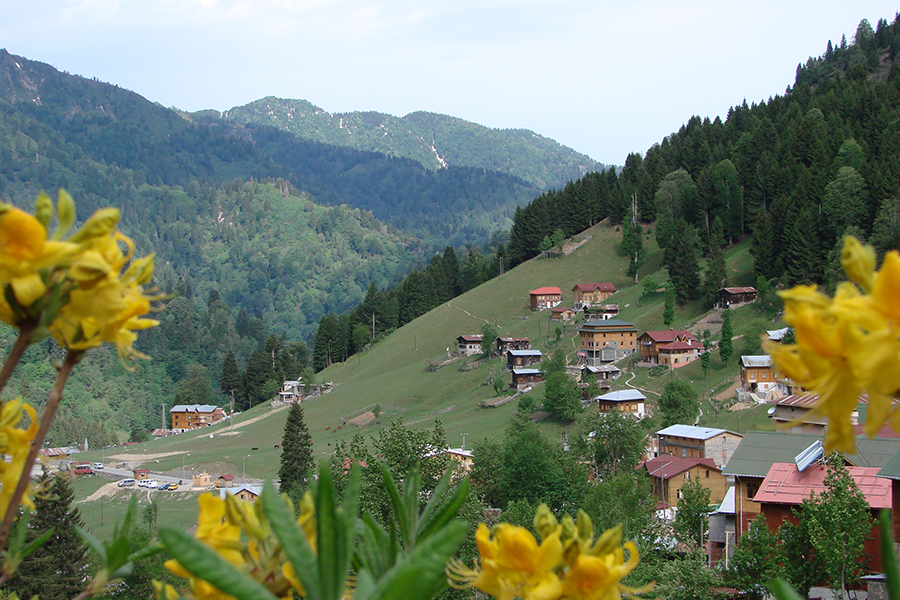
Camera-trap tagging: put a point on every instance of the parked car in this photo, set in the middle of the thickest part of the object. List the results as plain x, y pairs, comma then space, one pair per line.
173, 487
148, 483
164, 486
126, 483
98, 466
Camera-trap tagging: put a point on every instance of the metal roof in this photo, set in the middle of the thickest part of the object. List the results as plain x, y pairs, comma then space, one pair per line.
785, 484
891, 468
203, 408
669, 335
546, 290
696, 433
525, 353
756, 360
759, 450
621, 396
665, 467
739, 290
526, 371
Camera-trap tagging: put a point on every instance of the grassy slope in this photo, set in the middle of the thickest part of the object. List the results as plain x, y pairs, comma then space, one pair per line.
393, 372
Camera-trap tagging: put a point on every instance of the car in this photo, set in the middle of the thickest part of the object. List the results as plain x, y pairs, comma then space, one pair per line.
148, 483
173, 487
98, 466
126, 483
164, 486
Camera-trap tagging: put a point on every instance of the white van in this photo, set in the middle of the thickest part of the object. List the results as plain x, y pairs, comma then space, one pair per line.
126, 483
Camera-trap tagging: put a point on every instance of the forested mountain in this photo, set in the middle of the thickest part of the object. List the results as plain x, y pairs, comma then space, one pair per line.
796, 172
435, 141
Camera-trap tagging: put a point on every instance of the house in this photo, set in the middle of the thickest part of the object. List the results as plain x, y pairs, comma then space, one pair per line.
245, 492
688, 441
292, 391
57, 456
194, 416
602, 311
468, 345
523, 377
650, 341
505, 344
630, 402
522, 358
224, 481
545, 297
797, 413
464, 458
722, 539
678, 354
732, 297
140, 474
200, 481
668, 474
759, 450
590, 294
758, 373
602, 372
787, 485
560, 313
605, 340
891, 472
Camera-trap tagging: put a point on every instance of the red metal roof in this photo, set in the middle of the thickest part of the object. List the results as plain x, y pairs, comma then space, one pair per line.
545, 291
669, 335
665, 467
784, 484
810, 400
680, 346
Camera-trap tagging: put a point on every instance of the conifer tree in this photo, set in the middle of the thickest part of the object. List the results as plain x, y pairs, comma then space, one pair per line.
715, 272
726, 349
56, 570
230, 380
296, 453
669, 309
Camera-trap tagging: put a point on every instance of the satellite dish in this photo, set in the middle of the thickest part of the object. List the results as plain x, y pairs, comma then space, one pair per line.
771, 412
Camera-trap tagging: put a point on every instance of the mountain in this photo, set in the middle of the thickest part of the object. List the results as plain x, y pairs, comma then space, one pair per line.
435, 141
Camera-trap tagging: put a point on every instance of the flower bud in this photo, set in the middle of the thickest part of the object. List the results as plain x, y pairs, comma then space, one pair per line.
858, 262
65, 214
544, 521
102, 223
43, 209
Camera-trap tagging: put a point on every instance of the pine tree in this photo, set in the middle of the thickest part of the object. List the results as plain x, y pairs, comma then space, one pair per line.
669, 309
715, 272
726, 349
56, 570
230, 380
296, 453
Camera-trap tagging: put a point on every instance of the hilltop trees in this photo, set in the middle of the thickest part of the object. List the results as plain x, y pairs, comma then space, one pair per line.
296, 454
678, 404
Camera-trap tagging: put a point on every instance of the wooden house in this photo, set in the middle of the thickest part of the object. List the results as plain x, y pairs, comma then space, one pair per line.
758, 373
195, 416
603, 341
668, 474
787, 485
590, 294
628, 401
562, 313
523, 377
545, 297
467, 345
505, 344
688, 441
796, 412
140, 474
248, 493
601, 372
224, 481
678, 354
650, 341
200, 481
736, 296
522, 358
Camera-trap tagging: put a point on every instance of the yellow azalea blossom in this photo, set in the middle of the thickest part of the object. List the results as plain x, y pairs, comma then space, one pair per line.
513, 564
847, 345
25, 251
599, 577
15, 442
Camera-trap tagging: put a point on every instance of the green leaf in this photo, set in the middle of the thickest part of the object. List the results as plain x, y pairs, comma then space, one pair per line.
37, 543
293, 540
204, 563
782, 590
397, 503
93, 543
446, 511
888, 556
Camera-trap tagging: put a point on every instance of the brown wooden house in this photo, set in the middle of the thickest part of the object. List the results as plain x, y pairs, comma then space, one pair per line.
467, 345
668, 474
650, 341
562, 313
195, 416
505, 344
735, 296
545, 297
590, 294
522, 358
758, 373
526, 376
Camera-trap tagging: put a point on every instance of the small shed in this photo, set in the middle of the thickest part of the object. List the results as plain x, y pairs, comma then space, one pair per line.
736, 296
560, 313
200, 481
248, 493
505, 344
526, 376
224, 481
522, 358
629, 401
141, 474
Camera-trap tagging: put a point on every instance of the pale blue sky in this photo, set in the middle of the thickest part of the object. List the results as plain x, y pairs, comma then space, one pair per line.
604, 78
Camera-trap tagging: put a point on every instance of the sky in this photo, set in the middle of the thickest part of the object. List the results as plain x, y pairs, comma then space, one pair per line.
605, 78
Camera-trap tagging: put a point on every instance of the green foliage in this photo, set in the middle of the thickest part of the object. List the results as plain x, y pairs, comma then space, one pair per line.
669, 307
489, 335
614, 442
678, 404
625, 499
689, 578
757, 560
296, 454
562, 397
726, 347
56, 569
690, 524
802, 564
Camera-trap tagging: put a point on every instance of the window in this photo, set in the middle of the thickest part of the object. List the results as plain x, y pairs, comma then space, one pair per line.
752, 488
707, 473
764, 375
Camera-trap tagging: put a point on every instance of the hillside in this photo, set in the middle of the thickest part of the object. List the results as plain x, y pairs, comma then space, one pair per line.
435, 141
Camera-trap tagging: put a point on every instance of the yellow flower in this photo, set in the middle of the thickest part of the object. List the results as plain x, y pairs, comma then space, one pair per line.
599, 577
24, 252
848, 344
16, 443
513, 564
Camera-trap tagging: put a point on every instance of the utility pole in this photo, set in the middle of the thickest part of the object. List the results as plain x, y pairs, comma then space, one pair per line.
464, 440
162, 415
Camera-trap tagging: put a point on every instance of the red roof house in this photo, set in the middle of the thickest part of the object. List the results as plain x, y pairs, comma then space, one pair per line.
545, 297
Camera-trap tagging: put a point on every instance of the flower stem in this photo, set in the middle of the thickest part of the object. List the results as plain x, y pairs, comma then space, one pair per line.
18, 349
53, 400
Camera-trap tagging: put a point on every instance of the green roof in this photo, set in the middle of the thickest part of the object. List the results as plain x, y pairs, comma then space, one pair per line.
759, 450
891, 468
